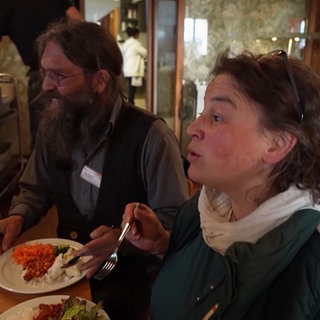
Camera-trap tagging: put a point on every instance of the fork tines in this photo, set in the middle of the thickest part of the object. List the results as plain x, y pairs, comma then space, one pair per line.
104, 271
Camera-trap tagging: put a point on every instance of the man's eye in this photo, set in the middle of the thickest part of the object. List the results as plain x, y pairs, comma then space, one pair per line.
61, 77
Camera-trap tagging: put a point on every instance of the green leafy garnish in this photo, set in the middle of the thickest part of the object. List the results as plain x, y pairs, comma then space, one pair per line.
75, 309
61, 249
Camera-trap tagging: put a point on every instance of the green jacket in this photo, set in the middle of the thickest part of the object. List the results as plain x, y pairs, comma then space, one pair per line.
276, 278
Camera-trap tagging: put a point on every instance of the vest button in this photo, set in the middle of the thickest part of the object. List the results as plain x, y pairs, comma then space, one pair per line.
74, 235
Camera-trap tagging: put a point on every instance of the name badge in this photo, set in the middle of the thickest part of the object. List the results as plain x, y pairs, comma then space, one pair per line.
91, 176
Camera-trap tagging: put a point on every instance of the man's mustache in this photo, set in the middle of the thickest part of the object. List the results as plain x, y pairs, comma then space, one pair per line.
45, 97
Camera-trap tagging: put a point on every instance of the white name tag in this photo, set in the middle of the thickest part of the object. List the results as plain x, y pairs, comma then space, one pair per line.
91, 176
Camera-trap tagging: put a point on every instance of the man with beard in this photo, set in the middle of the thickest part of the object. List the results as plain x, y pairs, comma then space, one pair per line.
95, 153
23, 21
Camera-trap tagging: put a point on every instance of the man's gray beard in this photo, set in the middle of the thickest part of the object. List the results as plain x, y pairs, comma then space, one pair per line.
71, 124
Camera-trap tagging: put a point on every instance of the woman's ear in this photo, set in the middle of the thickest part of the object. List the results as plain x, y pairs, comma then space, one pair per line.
100, 80
281, 144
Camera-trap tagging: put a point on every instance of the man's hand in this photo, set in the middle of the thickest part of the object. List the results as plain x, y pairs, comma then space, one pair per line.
10, 229
104, 241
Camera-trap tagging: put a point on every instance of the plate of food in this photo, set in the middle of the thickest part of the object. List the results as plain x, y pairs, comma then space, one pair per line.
35, 266
58, 307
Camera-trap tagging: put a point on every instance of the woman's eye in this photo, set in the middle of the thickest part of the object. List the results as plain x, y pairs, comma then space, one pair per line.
211, 117
215, 118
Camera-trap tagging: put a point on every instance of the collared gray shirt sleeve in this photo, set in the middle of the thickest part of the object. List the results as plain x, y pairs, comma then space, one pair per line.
35, 196
162, 172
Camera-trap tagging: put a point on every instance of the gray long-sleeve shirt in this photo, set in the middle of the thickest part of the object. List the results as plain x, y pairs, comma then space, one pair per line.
161, 169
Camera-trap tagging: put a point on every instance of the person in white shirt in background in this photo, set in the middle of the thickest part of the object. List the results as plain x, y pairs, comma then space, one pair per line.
134, 54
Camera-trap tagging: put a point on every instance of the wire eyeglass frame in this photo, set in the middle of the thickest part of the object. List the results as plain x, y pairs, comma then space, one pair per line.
56, 77
284, 56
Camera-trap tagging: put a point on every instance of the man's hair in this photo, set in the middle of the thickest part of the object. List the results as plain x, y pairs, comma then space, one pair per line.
87, 45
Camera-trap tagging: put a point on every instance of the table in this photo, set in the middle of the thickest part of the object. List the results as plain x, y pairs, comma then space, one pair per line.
9, 299
45, 229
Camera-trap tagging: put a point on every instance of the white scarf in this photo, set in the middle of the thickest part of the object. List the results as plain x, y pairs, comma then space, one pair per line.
219, 233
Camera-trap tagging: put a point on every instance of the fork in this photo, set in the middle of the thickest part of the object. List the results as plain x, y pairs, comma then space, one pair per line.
113, 259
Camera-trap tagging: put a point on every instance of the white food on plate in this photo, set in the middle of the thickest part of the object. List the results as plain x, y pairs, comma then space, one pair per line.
25, 314
55, 272
72, 271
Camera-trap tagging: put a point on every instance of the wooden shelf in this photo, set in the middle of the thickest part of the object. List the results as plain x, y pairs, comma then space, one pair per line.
132, 14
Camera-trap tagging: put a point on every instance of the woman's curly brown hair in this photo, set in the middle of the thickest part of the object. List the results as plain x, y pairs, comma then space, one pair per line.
265, 80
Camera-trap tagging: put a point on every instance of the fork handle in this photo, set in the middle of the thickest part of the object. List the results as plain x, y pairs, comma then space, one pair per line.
124, 232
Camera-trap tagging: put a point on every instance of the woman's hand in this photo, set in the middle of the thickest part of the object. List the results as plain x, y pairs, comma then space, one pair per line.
147, 232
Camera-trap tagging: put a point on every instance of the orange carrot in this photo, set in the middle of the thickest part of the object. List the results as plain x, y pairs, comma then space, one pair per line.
36, 258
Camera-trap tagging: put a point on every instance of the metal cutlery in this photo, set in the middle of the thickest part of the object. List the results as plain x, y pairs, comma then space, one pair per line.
113, 259
71, 262
76, 259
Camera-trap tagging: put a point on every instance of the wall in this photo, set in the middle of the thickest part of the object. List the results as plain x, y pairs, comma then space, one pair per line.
242, 24
96, 9
259, 26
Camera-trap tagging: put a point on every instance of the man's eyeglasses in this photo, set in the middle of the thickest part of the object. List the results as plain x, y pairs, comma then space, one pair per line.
284, 56
56, 77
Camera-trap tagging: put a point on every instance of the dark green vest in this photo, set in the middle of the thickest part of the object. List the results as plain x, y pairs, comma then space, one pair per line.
121, 178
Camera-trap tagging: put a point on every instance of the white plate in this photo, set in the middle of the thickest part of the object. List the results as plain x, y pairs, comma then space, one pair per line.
11, 273
34, 303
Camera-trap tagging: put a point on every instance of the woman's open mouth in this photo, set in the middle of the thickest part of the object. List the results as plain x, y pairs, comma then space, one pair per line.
192, 155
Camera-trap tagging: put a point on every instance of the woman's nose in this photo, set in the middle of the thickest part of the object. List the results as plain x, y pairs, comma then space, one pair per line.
194, 129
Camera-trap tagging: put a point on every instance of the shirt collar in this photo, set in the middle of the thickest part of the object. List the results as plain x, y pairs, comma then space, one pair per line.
114, 115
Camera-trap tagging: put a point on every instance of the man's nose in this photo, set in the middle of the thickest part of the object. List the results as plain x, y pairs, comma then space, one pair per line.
48, 84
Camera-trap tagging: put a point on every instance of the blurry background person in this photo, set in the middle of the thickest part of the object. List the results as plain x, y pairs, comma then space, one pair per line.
95, 153
134, 55
23, 21
248, 246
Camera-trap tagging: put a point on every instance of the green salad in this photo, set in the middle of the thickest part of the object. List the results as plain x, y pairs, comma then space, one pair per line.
76, 309
72, 308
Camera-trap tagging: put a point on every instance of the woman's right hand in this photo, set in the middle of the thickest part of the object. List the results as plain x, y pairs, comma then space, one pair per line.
10, 229
147, 232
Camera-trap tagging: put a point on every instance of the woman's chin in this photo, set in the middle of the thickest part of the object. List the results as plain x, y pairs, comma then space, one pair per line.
194, 176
